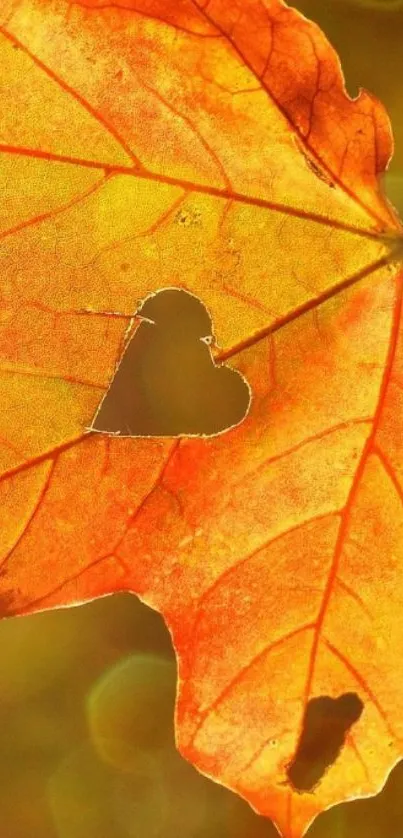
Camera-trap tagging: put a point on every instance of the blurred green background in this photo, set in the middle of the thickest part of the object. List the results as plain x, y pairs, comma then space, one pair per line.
86, 705
87, 741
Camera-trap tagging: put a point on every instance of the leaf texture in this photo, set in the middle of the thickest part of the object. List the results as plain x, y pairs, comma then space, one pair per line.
133, 132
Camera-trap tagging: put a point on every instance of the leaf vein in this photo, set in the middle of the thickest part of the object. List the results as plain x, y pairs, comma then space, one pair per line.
353, 594
302, 139
45, 216
274, 644
36, 507
389, 471
364, 686
367, 449
267, 543
111, 130
41, 600
131, 9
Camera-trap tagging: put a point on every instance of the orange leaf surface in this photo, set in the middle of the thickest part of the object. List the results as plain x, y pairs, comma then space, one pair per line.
210, 146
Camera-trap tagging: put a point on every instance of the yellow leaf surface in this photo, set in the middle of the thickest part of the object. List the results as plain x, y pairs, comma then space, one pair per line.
209, 146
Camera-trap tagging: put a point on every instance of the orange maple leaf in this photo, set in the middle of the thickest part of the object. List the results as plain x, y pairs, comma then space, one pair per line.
273, 551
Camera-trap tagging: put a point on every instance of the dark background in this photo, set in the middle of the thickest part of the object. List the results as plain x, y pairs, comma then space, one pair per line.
86, 700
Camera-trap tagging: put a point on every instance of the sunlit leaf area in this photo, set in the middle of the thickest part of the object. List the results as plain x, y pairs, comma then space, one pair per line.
88, 743
87, 697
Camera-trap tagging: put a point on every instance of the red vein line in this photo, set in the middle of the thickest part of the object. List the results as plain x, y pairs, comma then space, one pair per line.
363, 684
269, 55
238, 348
111, 554
342, 584
255, 756
144, 233
351, 742
257, 753
120, 7
309, 440
68, 312
210, 151
60, 449
70, 379
227, 207
157, 224
157, 482
268, 543
32, 516
56, 157
389, 471
304, 308
233, 351
107, 452
245, 298
244, 560
368, 447
34, 602
334, 176
44, 216
111, 130
201, 188
46, 455
275, 644
81, 311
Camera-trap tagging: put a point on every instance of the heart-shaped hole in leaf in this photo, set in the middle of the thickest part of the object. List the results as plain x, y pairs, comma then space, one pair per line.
167, 383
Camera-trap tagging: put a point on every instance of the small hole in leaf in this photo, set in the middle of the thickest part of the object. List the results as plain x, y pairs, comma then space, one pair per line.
167, 383
326, 723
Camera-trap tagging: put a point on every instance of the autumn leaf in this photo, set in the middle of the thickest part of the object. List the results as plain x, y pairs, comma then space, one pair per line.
210, 146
